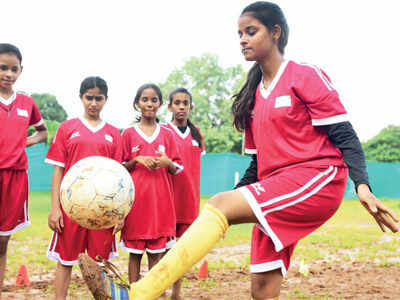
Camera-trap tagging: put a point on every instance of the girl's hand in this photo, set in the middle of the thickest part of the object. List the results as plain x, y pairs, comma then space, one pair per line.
148, 161
118, 227
55, 220
383, 215
163, 160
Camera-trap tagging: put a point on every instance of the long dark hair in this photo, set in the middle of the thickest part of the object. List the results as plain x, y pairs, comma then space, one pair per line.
193, 129
139, 94
270, 15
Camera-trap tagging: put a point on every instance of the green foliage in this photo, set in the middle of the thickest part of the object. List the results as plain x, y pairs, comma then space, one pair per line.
212, 87
49, 107
385, 146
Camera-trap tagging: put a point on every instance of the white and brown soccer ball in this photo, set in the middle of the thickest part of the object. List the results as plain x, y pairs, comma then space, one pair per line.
97, 192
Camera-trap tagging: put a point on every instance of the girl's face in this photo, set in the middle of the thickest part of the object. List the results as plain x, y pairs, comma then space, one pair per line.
180, 106
93, 101
10, 69
256, 41
149, 103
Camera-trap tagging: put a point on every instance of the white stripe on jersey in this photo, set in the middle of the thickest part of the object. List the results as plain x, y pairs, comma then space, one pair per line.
325, 80
250, 151
55, 163
330, 120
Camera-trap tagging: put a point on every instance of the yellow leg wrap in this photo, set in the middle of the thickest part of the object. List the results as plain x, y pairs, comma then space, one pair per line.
196, 242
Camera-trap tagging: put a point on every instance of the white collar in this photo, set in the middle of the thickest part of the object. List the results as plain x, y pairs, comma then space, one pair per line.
266, 92
148, 139
90, 127
9, 100
182, 135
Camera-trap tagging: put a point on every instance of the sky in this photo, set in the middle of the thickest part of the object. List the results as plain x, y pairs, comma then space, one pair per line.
130, 43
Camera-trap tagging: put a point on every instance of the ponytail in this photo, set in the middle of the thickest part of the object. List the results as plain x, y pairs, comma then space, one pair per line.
243, 102
195, 133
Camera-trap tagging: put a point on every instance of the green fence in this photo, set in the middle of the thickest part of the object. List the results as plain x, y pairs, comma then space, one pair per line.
220, 171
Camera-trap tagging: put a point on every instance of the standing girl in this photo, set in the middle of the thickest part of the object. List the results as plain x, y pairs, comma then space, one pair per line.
76, 139
17, 113
187, 183
150, 153
304, 144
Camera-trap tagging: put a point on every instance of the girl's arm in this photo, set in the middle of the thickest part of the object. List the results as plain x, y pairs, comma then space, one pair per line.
55, 220
163, 161
345, 138
250, 176
39, 136
148, 161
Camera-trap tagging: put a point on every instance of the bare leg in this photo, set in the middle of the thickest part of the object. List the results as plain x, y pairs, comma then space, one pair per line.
63, 278
134, 267
266, 285
3, 259
176, 290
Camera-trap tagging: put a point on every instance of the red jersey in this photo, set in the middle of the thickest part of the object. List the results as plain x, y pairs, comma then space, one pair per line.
76, 139
285, 129
153, 213
16, 115
186, 184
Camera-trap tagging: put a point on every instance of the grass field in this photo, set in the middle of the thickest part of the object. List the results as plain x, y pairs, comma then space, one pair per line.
350, 236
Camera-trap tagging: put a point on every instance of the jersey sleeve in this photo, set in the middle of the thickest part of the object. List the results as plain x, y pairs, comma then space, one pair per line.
57, 154
173, 153
36, 117
320, 97
117, 147
249, 146
126, 146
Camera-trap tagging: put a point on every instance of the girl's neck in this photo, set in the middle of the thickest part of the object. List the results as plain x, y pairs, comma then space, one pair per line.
148, 126
5, 93
270, 66
92, 121
180, 123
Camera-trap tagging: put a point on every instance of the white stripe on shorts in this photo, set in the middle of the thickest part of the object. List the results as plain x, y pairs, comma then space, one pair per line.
256, 207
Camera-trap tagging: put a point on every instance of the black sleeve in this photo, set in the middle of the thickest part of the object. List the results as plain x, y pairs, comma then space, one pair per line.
250, 176
345, 138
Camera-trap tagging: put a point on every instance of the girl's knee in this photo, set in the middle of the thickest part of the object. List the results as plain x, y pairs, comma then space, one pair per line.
266, 285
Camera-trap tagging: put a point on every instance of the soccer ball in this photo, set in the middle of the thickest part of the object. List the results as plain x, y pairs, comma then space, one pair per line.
97, 192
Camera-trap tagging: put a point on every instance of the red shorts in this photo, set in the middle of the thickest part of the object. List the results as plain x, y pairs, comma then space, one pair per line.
66, 246
140, 246
13, 201
290, 205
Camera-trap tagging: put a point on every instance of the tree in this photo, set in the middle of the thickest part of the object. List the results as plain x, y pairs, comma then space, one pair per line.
49, 107
212, 87
385, 146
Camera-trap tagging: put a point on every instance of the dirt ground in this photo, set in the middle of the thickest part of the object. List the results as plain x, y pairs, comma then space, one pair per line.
326, 280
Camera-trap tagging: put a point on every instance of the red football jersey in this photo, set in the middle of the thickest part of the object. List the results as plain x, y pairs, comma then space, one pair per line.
16, 115
186, 184
76, 139
153, 213
285, 129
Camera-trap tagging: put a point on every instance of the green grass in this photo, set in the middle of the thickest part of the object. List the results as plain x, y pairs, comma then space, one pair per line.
350, 235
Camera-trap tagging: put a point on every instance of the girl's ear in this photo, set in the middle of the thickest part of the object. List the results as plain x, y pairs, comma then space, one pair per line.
169, 107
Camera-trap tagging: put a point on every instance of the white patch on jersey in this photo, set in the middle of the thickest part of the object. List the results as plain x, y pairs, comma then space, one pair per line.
108, 138
22, 112
135, 148
75, 134
258, 188
283, 101
161, 148
195, 143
